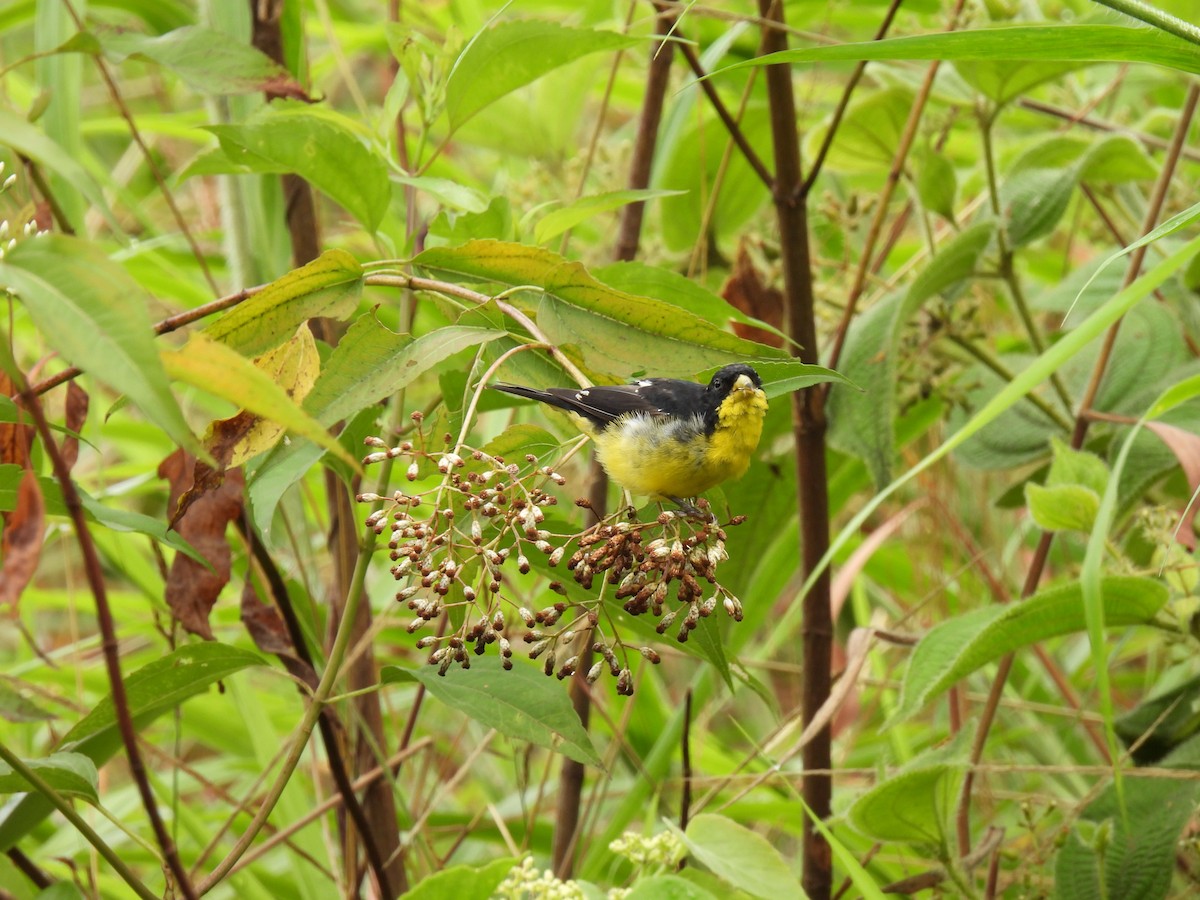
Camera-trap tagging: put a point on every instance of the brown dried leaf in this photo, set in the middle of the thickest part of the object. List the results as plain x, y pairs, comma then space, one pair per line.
205, 506
15, 440
294, 366
269, 633
21, 543
747, 291
75, 415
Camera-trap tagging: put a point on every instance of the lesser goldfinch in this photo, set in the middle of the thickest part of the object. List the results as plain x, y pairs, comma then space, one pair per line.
666, 438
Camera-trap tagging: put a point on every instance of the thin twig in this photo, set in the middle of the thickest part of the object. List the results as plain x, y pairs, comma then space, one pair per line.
844, 103
899, 158
104, 618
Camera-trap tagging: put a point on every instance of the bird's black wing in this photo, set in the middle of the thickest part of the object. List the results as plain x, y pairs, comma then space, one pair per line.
604, 404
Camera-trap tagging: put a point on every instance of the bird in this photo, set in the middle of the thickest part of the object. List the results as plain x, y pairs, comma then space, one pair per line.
666, 438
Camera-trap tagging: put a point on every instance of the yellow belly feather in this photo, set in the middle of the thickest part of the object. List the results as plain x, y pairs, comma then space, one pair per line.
667, 459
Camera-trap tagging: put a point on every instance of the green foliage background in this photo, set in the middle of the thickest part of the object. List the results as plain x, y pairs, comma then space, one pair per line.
470, 165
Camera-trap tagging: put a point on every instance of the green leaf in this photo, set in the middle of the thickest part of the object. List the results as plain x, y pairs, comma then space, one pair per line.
118, 519
1038, 371
463, 881
955, 261
937, 184
784, 376
1068, 507
864, 424
449, 229
742, 857
329, 286
208, 61
1139, 853
1161, 723
637, 278
322, 146
1004, 80
510, 55
223, 372
150, 691
522, 703
517, 440
369, 364
1076, 467
614, 332
94, 314
1070, 498
1034, 43
667, 887
568, 216
1033, 201
911, 806
15, 706
447, 192
955, 648
868, 133
72, 774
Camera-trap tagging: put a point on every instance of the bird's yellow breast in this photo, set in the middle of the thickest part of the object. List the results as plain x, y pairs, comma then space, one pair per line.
671, 457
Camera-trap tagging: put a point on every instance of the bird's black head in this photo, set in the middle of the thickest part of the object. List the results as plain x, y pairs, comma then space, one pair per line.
724, 379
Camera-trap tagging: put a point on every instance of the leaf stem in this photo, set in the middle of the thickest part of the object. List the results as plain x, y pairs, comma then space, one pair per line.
1152, 15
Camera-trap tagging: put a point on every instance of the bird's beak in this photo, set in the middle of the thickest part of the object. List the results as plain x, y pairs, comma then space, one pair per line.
744, 383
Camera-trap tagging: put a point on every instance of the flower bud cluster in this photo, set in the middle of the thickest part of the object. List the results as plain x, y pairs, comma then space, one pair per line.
449, 545
465, 518
646, 572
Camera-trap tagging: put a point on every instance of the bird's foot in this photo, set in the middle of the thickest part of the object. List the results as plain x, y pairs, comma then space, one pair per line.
699, 510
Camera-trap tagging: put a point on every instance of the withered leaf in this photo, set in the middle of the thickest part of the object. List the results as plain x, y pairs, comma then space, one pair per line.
21, 543
74, 416
1186, 447
747, 291
266, 628
204, 507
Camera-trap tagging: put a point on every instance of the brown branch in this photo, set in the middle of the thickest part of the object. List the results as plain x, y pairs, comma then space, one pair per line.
808, 416
109, 647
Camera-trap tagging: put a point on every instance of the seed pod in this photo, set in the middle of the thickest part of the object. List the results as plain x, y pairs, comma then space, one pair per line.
594, 672
414, 469
651, 654
733, 606
556, 555
526, 616
625, 683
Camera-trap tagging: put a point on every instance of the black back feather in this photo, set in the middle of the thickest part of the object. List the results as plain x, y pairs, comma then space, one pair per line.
604, 404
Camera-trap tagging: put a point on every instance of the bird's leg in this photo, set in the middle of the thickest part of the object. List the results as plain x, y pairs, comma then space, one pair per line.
692, 511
